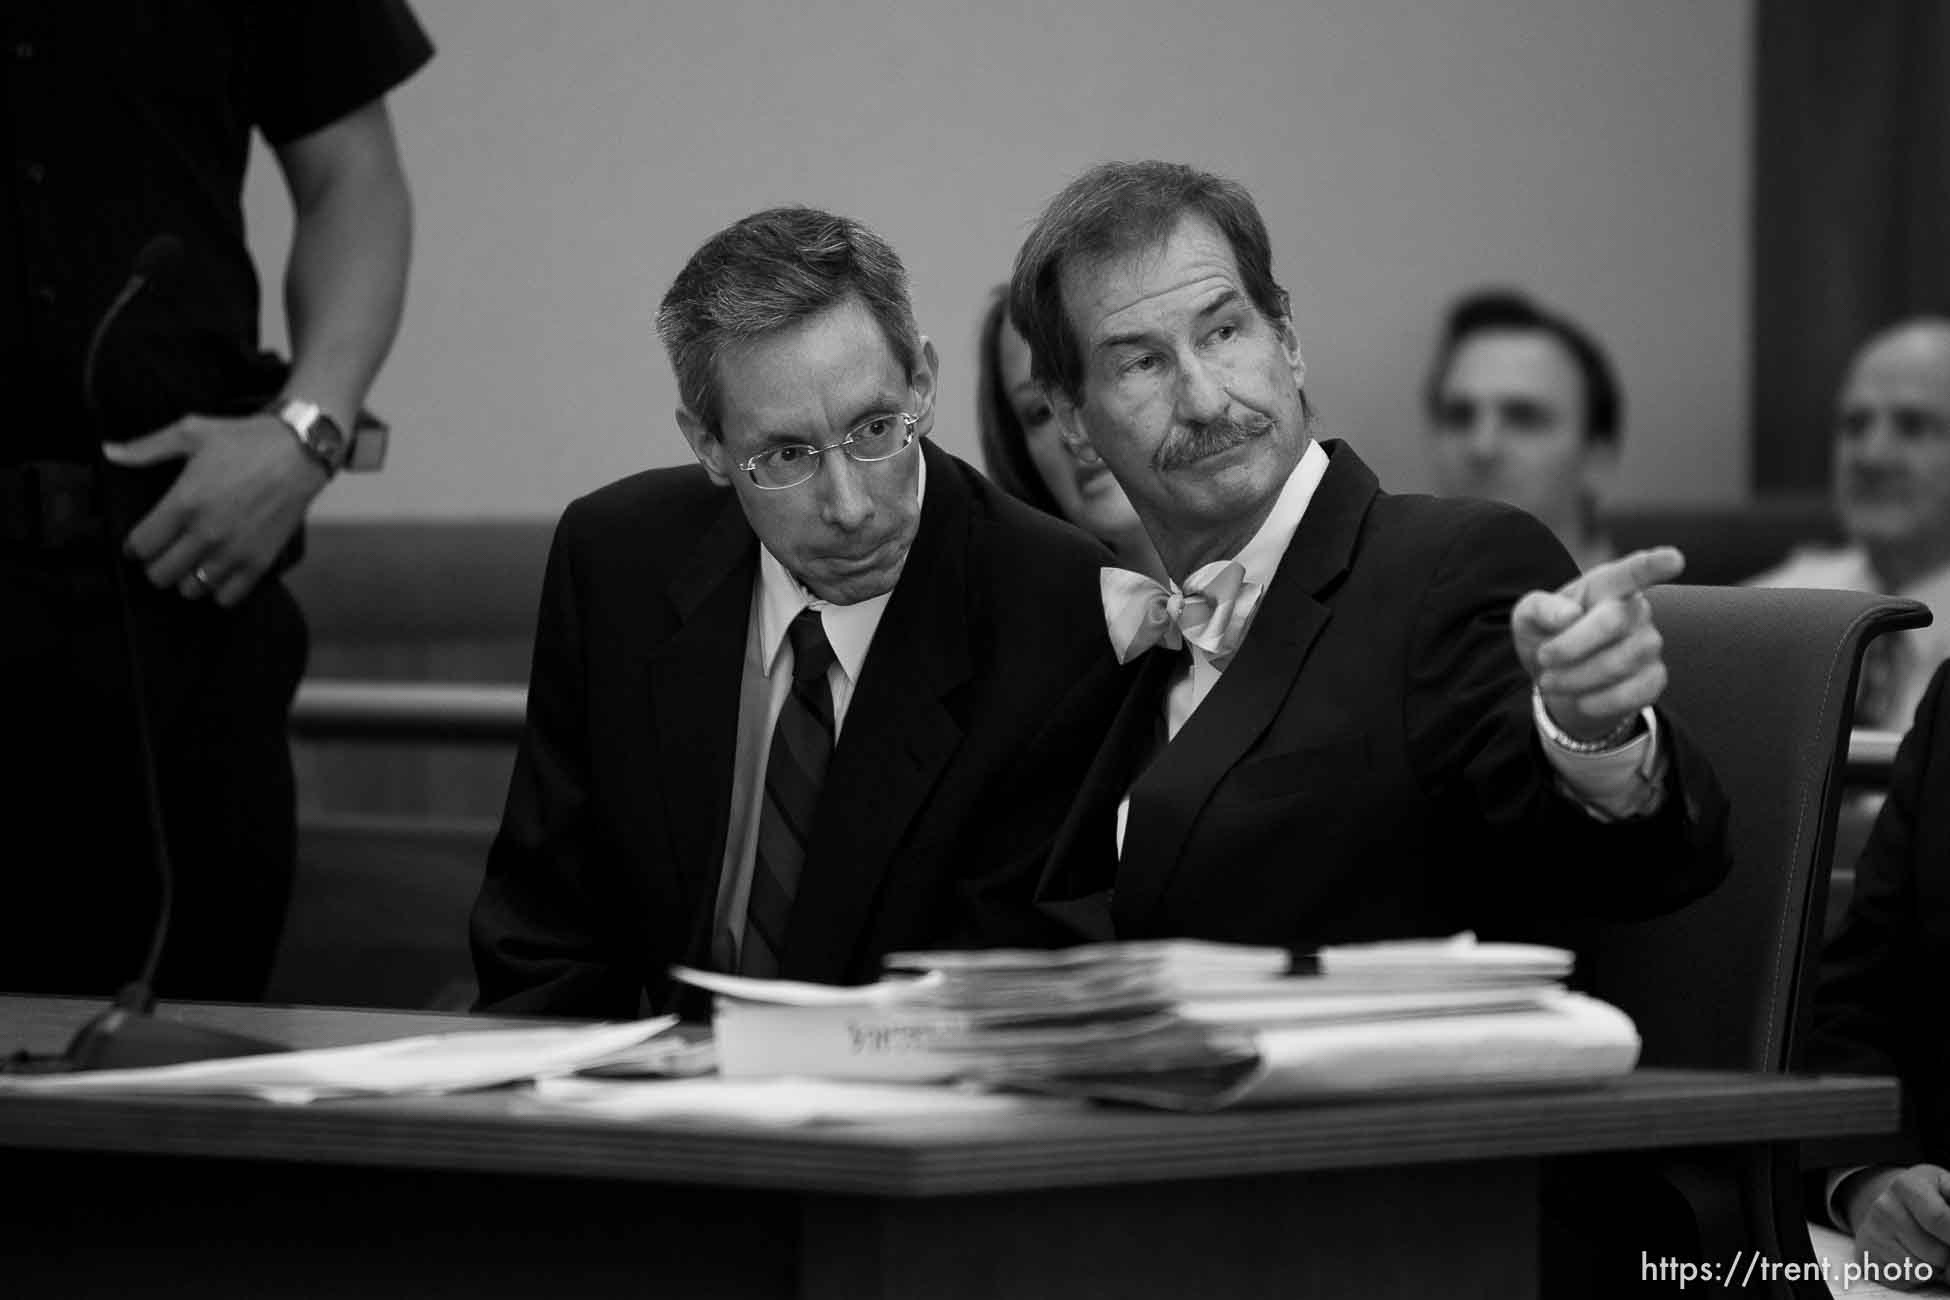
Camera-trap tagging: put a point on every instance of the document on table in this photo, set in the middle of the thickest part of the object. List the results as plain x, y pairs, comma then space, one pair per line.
1849, 1274
1563, 1039
425, 1064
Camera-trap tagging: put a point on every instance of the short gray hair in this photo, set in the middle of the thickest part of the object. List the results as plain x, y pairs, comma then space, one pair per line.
770, 271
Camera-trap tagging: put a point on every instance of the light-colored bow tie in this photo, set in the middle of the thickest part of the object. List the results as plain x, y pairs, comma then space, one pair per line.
1211, 611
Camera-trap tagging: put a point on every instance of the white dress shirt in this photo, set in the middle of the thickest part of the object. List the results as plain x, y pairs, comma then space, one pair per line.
1610, 785
777, 598
1847, 569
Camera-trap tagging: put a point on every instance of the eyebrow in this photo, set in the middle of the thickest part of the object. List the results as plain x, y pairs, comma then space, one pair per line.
880, 404
1226, 298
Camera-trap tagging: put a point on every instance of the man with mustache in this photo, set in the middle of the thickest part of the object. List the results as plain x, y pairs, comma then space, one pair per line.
1356, 715
789, 706
1892, 490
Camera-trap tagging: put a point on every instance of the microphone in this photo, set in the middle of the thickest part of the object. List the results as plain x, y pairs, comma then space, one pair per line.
127, 1034
153, 260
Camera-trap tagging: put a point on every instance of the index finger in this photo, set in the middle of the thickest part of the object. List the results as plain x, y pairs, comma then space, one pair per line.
1626, 575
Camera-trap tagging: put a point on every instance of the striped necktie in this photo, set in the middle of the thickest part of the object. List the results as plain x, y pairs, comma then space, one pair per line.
802, 741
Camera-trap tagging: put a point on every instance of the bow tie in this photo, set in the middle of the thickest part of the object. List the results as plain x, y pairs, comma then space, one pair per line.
1211, 611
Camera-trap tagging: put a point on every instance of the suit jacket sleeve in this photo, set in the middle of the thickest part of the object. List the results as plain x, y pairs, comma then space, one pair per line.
999, 904
534, 930
1476, 749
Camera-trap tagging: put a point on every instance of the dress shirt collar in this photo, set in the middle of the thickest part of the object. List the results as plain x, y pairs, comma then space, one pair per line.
849, 628
1261, 555
1848, 568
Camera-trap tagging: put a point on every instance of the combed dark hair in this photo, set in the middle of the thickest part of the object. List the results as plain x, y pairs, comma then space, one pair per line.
1005, 444
1510, 311
1116, 208
769, 271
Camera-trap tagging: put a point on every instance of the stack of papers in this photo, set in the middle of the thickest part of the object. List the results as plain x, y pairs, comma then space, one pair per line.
1096, 1009
884, 1033
1189, 1025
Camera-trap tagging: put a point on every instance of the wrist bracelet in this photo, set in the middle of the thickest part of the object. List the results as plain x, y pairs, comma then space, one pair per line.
1613, 739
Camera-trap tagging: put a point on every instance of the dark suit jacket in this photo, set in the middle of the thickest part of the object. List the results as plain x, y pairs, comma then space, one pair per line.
1881, 1005
1367, 766
979, 705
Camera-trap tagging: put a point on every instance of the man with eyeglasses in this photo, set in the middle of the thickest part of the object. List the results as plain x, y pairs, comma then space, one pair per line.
791, 709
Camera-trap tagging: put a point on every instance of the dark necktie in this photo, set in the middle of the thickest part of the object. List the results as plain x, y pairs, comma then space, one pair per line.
802, 741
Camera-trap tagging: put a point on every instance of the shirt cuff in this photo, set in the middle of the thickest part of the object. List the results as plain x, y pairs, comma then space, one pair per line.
1621, 783
1833, 1186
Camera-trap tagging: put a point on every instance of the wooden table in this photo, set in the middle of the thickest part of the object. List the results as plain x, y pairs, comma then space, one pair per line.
481, 1195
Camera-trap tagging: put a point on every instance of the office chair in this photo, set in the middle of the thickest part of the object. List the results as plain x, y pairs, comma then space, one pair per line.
1764, 681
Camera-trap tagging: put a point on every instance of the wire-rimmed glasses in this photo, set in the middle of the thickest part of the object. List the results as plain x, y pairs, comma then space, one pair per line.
876, 438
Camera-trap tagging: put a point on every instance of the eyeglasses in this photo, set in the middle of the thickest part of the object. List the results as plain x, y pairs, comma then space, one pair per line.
878, 437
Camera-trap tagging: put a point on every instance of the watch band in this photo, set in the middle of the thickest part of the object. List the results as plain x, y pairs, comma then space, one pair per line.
302, 416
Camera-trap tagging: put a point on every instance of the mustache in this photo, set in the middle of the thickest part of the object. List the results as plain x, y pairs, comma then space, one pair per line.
1197, 442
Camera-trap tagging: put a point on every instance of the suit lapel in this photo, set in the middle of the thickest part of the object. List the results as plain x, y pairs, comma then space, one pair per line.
898, 737
1168, 797
694, 690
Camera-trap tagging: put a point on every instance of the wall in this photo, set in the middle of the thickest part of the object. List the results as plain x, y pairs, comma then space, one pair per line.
566, 159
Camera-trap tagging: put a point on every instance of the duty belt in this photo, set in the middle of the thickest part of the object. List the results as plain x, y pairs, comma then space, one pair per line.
50, 504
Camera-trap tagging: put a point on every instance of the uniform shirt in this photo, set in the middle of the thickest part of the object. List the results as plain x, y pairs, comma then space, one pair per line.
129, 119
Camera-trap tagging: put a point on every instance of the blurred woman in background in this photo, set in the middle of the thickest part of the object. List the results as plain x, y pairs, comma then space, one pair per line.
1023, 452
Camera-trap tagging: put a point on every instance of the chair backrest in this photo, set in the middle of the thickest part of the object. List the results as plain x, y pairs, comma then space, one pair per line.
1727, 541
1764, 681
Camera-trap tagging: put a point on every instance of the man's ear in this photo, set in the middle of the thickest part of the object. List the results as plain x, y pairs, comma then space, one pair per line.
922, 381
707, 446
1069, 426
1290, 344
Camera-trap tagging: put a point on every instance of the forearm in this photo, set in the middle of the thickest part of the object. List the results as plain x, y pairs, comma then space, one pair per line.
345, 282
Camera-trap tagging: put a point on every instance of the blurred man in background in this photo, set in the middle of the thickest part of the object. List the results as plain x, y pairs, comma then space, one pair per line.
1523, 407
1892, 491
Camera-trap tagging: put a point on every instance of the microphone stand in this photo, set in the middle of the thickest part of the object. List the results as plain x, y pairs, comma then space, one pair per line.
128, 1034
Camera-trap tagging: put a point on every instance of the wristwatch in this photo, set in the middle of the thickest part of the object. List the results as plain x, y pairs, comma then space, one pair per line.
318, 433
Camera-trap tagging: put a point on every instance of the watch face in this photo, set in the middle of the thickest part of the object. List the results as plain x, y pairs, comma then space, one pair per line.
317, 432
328, 438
